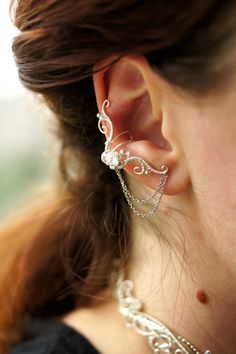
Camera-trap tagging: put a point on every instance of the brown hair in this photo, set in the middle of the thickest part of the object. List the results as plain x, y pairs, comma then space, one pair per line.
59, 255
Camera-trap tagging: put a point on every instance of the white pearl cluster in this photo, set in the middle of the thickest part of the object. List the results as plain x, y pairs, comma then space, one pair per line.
115, 159
111, 158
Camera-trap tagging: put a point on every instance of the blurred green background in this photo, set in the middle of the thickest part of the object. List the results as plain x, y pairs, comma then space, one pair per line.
23, 150
23, 126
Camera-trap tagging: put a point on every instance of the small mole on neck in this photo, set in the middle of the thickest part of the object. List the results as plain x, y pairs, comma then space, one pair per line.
202, 296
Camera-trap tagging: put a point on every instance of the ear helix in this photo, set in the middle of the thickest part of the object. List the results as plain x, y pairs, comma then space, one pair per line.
118, 159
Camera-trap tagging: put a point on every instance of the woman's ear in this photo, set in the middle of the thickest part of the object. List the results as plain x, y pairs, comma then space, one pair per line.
137, 105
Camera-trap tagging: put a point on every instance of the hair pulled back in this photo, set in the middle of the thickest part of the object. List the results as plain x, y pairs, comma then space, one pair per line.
61, 252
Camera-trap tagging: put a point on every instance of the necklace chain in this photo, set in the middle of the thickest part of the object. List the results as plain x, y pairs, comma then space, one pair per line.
161, 339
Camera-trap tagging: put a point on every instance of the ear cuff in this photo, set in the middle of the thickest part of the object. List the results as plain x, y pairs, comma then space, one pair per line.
117, 159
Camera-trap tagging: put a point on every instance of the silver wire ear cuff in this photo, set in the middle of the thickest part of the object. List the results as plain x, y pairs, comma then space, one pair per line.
118, 159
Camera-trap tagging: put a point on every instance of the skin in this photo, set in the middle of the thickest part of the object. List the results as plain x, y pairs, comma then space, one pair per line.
196, 138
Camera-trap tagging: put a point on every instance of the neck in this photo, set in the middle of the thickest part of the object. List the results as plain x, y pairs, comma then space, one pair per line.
185, 280
169, 267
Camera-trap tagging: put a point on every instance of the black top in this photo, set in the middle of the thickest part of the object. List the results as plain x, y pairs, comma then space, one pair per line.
52, 337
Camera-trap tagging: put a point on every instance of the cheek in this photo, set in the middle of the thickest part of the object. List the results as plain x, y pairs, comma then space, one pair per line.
210, 148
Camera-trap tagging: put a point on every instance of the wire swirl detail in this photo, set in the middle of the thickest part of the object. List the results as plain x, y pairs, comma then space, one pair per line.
118, 160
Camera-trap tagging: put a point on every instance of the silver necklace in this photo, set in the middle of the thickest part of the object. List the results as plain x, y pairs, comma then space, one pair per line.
161, 339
